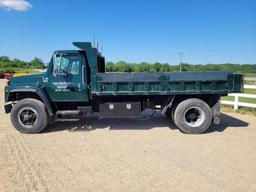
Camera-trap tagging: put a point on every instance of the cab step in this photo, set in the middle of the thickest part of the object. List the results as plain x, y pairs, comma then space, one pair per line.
68, 114
79, 113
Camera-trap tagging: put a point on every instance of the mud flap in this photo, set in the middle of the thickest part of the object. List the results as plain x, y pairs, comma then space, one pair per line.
216, 112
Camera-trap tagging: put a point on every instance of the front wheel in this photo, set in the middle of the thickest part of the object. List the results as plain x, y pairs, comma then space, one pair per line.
29, 116
193, 116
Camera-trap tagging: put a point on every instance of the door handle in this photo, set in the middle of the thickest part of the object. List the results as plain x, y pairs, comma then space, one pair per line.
71, 87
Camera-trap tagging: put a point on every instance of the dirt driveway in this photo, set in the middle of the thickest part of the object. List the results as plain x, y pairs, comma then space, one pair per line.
129, 155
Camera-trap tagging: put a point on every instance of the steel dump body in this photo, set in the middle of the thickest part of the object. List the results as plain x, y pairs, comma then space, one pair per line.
220, 83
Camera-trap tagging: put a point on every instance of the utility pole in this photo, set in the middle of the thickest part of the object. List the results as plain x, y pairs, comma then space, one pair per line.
94, 41
181, 55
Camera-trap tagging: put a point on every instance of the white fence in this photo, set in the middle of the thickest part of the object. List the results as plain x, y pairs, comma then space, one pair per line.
236, 103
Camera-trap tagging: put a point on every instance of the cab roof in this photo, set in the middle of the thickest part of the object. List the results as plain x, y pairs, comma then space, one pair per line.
67, 51
82, 46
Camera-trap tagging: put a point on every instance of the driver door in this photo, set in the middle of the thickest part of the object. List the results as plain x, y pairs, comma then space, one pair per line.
67, 82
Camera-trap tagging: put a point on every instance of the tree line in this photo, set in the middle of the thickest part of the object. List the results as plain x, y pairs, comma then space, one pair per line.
8, 65
123, 66
13, 65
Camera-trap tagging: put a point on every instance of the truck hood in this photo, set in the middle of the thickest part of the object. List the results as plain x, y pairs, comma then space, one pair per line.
28, 80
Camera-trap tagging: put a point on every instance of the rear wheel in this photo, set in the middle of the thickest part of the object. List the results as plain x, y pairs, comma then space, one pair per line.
29, 116
193, 116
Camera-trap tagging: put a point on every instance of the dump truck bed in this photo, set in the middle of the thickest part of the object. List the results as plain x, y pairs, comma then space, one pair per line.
167, 83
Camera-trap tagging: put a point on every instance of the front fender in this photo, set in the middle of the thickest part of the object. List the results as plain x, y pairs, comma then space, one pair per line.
39, 92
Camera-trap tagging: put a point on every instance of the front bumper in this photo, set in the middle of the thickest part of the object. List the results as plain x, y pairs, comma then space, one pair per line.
7, 107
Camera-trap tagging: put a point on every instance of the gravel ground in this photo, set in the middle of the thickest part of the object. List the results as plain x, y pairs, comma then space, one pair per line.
129, 155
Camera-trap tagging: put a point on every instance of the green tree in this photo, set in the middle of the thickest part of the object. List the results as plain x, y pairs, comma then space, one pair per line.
4, 59
122, 66
37, 63
110, 67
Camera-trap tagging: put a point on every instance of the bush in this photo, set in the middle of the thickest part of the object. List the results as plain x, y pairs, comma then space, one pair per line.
8, 70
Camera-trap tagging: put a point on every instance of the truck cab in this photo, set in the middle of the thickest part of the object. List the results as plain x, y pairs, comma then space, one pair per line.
76, 85
67, 77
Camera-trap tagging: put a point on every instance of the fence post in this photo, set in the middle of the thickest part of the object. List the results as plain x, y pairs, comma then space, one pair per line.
236, 102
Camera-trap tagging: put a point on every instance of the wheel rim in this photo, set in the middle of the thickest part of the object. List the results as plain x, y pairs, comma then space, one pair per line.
194, 117
27, 117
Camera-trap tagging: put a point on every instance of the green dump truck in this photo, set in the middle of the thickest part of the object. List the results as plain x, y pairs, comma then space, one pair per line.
76, 85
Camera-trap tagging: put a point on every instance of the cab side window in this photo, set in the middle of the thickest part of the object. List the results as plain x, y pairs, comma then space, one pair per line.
75, 64
66, 64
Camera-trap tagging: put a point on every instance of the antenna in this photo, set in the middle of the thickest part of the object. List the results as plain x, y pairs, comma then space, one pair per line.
97, 45
101, 49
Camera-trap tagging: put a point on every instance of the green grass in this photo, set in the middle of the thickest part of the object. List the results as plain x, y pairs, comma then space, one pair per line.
242, 110
249, 82
227, 98
28, 71
241, 99
250, 91
250, 74
24, 70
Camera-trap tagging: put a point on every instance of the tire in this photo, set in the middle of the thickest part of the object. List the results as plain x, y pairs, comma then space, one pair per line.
193, 116
29, 116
